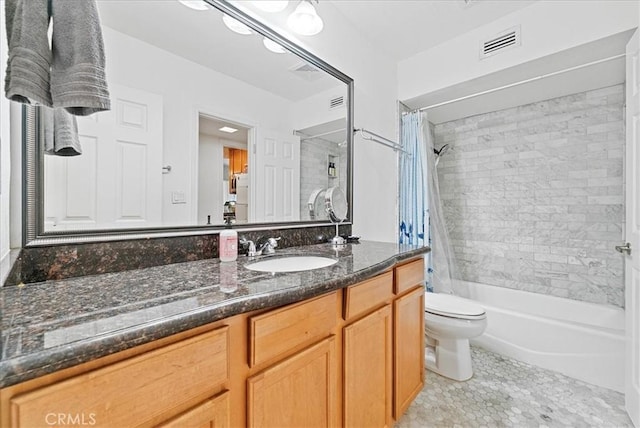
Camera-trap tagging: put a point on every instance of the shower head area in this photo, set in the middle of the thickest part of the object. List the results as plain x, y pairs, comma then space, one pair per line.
441, 152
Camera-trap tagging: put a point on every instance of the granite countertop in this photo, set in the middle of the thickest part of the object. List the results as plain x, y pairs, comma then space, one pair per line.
49, 326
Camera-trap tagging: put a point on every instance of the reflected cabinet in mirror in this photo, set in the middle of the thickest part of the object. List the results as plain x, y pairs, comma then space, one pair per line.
208, 125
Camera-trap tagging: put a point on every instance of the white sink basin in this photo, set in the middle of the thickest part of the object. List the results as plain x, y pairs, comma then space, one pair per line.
291, 264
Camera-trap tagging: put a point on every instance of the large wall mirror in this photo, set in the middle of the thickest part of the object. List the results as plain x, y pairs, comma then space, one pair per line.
208, 125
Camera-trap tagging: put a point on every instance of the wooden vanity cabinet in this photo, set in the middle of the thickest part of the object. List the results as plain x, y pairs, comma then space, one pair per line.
367, 358
408, 349
367, 370
213, 413
383, 346
408, 338
141, 391
352, 357
297, 392
297, 344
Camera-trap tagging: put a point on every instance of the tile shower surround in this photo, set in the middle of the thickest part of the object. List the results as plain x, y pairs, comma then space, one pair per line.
314, 162
533, 196
38, 264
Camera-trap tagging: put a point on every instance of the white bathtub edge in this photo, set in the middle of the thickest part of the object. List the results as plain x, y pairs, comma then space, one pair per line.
587, 352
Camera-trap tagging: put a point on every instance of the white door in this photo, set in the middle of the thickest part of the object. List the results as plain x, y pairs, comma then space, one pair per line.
274, 191
117, 181
632, 233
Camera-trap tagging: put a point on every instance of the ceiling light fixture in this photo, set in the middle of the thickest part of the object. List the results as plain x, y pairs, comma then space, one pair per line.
235, 25
305, 20
228, 129
195, 4
271, 6
273, 46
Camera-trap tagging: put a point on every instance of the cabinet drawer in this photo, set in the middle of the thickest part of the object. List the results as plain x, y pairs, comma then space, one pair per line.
137, 391
276, 332
368, 295
409, 275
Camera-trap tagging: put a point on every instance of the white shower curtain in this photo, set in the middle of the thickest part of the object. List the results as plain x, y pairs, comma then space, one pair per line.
421, 219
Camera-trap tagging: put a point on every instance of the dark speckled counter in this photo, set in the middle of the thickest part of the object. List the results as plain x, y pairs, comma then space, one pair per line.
53, 325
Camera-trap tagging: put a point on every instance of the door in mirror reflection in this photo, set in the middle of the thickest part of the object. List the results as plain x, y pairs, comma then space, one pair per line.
117, 179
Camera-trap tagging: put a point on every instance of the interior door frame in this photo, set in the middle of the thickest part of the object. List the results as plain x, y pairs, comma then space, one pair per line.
195, 141
632, 202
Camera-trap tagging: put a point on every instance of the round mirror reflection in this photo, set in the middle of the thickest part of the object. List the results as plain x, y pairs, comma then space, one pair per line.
336, 204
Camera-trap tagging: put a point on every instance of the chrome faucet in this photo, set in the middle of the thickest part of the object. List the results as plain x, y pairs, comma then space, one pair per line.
252, 247
269, 247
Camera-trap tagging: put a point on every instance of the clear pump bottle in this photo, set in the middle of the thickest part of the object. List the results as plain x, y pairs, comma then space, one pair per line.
228, 244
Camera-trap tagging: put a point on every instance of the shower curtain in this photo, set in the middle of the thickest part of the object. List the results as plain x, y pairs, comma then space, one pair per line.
421, 219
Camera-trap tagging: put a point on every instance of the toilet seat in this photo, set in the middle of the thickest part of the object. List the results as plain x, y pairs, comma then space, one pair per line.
451, 306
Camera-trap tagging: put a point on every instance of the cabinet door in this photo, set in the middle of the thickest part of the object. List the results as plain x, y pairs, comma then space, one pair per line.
408, 349
367, 370
297, 392
214, 413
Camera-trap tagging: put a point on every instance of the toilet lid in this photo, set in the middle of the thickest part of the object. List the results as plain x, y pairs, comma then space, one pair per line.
452, 306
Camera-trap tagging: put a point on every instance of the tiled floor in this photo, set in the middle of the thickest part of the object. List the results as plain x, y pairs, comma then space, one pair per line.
507, 393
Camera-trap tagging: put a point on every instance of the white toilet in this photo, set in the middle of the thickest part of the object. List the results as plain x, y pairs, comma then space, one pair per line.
450, 322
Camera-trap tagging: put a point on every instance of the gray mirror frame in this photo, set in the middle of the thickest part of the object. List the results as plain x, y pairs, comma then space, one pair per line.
33, 233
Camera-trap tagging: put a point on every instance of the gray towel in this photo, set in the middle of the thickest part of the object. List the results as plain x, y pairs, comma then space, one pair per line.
78, 80
60, 133
27, 78
70, 74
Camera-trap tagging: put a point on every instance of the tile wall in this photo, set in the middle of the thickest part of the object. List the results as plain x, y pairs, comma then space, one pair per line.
533, 195
314, 155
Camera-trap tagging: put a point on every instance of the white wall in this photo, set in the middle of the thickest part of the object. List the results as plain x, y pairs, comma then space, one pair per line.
375, 76
186, 88
314, 110
547, 27
210, 167
212, 190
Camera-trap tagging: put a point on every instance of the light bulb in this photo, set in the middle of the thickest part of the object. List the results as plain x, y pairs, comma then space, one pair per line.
271, 6
195, 4
235, 25
273, 46
304, 20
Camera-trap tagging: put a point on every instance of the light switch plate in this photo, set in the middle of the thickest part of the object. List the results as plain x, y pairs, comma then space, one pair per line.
178, 198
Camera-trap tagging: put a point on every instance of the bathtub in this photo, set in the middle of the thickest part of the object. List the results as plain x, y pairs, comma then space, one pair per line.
582, 340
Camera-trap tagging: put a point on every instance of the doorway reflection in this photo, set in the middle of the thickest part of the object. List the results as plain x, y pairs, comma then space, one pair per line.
223, 164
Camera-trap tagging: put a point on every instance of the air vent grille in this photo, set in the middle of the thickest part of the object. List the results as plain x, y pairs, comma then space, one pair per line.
507, 39
306, 72
336, 102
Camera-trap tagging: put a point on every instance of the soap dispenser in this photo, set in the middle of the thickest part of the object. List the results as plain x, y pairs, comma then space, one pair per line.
228, 244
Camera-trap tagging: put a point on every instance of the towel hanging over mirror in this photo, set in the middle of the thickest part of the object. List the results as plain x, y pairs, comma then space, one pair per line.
60, 132
71, 73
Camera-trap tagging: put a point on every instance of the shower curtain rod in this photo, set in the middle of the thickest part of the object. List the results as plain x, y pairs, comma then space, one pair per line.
372, 136
532, 79
310, 137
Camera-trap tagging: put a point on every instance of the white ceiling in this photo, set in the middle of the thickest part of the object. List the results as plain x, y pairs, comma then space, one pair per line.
201, 37
211, 126
403, 28
400, 28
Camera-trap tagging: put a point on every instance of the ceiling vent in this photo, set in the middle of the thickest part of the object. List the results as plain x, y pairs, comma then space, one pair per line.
505, 40
306, 71
336, 102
